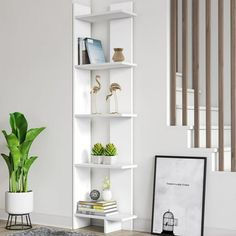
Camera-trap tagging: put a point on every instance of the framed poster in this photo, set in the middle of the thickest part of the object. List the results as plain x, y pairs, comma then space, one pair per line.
179, 196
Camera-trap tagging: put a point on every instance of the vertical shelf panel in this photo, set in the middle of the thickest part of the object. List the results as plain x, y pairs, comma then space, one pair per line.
121, 132
82, 128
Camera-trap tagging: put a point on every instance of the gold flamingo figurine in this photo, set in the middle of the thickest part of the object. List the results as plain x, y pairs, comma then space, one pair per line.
95, 89
113, 88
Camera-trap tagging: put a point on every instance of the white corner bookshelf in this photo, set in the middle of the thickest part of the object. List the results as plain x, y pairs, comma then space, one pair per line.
89, 128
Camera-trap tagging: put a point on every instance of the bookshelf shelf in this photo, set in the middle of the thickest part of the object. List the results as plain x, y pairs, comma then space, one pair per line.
89, 128
106, 66
119, 217
101, 166
110, 116
105, 16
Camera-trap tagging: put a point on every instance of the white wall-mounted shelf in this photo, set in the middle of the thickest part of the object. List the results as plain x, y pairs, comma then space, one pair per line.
110, 116
106, 66
105, 16
91, 128
101, 166
119, 217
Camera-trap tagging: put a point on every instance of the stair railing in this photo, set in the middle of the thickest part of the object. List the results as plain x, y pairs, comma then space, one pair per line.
195, 72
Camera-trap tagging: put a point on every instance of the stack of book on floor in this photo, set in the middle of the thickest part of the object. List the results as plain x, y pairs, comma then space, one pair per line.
100, 208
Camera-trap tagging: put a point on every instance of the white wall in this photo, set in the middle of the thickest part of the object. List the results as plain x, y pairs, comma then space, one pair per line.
36, 79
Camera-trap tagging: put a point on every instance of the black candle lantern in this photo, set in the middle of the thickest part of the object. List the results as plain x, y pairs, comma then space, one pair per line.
169, 222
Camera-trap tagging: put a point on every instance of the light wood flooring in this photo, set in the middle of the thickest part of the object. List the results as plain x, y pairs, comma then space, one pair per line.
92, 229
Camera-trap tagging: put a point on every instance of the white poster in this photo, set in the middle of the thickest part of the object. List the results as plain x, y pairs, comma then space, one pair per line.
178, 201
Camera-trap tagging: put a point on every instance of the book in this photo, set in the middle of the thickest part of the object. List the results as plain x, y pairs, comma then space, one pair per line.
97, 207
82, 52
98, 214
96, 210
97, 203
95, 51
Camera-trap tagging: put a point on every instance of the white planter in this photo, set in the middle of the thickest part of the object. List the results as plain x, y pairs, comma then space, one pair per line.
97, 159
109, 160
19, 203
106, 195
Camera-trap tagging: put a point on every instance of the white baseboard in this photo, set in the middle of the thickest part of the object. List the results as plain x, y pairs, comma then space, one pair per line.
45, 219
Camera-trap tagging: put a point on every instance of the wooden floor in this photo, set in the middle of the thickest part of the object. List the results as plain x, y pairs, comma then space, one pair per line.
92, 229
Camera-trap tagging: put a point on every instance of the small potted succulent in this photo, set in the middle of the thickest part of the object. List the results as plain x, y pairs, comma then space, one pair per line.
97, 153
106, 193
110, 154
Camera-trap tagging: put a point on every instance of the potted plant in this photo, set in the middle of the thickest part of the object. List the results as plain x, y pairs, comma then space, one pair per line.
19, 200
106, 193
97, 153
110, 154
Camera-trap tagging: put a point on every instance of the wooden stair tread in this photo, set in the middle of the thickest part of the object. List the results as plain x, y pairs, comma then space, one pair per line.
214, 127
202, 108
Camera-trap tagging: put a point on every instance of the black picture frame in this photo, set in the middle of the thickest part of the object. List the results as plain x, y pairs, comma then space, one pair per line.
155, 194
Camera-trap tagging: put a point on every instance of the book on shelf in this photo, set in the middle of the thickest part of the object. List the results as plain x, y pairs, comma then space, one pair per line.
97, 203
82, 52
95, 50
97, 214
101, 208
97, 210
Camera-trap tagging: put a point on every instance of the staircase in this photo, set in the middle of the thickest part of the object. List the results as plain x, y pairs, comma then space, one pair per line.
206, 55
202, 129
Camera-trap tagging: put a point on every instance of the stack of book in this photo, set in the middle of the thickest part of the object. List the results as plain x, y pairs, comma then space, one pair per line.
90, 51
100, 208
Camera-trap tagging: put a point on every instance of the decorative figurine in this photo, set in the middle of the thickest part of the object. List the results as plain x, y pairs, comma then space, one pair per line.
94, 195
95, 89
113, 88
118, 55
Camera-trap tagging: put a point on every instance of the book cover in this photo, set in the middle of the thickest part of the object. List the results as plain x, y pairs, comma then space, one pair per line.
95, 51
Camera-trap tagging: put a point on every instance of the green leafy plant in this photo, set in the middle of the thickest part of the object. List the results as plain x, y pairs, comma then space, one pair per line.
19, 143
97, 149
106, 184
110, 150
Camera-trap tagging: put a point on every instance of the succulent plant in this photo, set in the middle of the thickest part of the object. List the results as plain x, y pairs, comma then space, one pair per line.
106, 184
110, 150
97, 149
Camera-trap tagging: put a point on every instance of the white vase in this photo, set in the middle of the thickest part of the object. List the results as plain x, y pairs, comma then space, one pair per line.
106, 195
19, 203
97, 159
109, 160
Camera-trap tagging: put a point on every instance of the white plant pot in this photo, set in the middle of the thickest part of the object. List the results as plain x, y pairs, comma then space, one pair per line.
97, 159
109, 160
19, 203
106, 195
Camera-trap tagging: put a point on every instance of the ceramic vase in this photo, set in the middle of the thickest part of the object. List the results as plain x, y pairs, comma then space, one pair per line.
106, 195
118, 55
